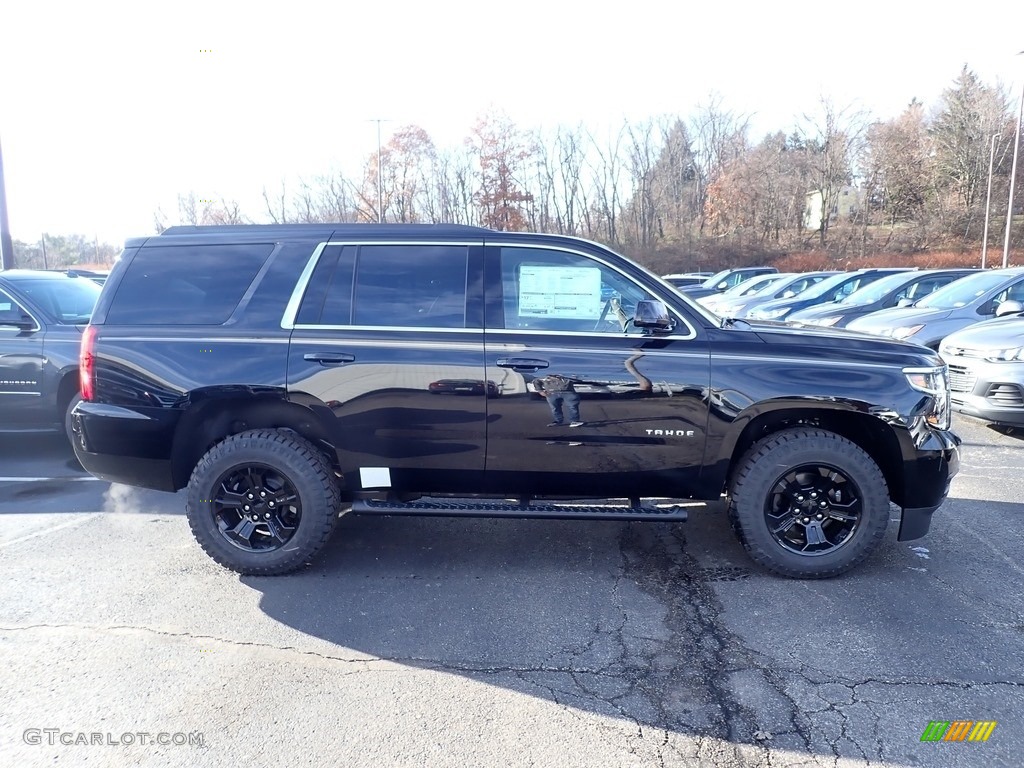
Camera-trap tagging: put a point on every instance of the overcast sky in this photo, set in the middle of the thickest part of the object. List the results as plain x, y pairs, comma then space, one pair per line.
109, 110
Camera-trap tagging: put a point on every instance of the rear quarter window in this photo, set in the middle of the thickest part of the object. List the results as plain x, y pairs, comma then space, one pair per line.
186, 285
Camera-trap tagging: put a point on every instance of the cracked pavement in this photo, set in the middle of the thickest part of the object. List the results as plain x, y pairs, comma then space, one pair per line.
414, 642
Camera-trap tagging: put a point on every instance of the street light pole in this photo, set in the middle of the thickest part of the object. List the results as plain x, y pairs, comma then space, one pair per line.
988, 199
1013, 178
6, 245
380, 189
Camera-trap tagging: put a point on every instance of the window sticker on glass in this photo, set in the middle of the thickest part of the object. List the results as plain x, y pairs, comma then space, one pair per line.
565, 292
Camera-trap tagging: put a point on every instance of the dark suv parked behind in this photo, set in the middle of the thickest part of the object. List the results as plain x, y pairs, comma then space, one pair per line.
285, 374
42, 316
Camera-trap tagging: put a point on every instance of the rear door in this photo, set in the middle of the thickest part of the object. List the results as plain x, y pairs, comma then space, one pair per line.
388, 345
556, 314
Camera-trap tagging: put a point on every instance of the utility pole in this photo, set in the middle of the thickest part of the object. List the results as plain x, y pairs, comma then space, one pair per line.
380, 188
6, 246
1013, 178
988, 199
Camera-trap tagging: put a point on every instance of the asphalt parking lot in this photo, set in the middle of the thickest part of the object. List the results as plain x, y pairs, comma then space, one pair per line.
415, 642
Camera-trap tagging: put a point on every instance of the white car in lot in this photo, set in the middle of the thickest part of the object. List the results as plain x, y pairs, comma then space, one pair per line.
986, 370
737, 292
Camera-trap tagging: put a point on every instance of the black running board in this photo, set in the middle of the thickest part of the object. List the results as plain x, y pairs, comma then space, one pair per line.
673, 513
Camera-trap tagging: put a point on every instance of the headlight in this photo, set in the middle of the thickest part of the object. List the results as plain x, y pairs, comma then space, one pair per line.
904, 331
769, 314
1004, 355
935, 382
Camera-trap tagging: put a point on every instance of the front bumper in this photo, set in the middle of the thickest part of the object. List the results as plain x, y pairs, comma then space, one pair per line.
927, 474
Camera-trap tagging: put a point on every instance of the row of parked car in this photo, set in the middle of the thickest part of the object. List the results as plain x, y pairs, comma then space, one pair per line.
973, 318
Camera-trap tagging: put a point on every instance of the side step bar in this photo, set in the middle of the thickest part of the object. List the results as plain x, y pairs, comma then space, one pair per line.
668, 512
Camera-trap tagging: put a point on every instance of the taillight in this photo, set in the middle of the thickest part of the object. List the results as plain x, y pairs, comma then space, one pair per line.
87, 363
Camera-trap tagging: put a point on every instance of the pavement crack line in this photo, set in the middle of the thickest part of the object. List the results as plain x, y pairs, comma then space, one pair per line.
422, 662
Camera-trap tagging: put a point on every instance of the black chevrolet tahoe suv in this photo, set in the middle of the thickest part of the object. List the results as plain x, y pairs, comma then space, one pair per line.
288, 374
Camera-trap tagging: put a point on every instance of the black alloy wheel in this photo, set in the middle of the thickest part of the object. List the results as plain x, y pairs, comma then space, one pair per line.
813, 509
256, 508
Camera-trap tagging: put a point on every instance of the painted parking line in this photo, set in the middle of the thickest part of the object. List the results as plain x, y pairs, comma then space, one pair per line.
41, 479
78, 520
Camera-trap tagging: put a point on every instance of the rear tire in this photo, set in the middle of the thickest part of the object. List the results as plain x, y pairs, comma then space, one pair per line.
263, 502
68, 420
807, 503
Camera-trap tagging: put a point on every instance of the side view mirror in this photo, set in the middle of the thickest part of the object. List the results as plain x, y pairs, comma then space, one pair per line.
905, 302
722, 286
652, 314
789, 294
1009, 307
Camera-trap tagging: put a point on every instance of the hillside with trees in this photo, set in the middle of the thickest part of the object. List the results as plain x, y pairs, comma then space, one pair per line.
696, 191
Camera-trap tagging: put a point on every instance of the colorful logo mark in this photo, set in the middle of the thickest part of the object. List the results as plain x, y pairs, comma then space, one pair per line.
958, 730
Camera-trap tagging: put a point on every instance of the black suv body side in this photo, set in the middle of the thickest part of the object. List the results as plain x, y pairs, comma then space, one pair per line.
42, 315
362, 367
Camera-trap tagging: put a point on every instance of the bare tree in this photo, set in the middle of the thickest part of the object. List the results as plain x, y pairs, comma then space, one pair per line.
608, 180
718, 137
834, 140
277, 209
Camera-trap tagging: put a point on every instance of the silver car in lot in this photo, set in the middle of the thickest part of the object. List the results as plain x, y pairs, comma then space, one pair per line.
789, 286
737, 292
986, 370
965, 302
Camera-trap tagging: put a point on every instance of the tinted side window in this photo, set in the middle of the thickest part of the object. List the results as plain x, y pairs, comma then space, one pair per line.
922, 288
328, 297
186, 285
1013, 292
10, 310
422, 286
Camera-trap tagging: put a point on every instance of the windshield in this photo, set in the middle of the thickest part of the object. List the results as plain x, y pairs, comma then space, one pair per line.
962, 292
716, 278
874, 291
67, 301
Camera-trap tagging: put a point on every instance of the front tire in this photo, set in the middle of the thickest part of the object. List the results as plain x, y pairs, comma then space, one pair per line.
263, 502
807, 503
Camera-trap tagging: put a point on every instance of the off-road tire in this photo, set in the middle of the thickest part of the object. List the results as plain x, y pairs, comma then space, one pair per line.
771, 459
68, 420
307, 470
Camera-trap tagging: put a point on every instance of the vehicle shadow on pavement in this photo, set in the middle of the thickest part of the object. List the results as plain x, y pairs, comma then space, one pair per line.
34, 448
626, 621
1017, 433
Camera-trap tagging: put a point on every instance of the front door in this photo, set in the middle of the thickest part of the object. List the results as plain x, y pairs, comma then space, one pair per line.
21, 368
588, 405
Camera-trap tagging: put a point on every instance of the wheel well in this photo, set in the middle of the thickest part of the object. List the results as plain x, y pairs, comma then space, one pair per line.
66, 390
868, 432
212, 420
